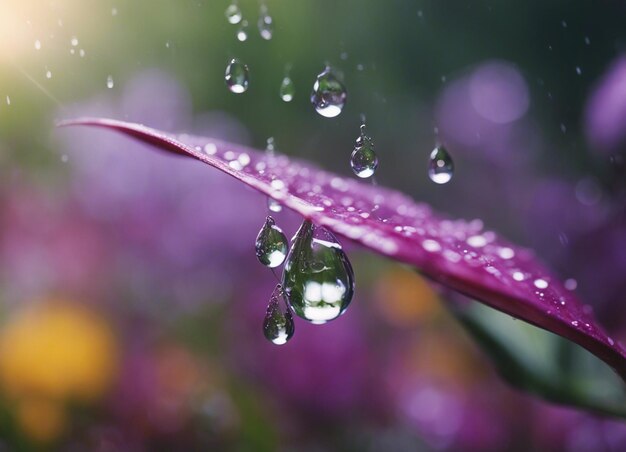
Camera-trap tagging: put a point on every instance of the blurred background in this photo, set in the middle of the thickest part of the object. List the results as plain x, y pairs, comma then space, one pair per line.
131, 300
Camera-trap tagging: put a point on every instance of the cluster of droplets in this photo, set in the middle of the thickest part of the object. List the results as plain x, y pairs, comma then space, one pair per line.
234, 16
364, 160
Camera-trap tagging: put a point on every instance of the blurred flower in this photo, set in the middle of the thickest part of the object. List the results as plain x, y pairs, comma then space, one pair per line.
53, 353
605, 114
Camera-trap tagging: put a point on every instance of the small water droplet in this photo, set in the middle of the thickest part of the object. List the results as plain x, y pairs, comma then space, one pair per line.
114, 11
441, 166
364, 160
587, 40
48, 74
74, 41
329, 94
579, 71
237, 76
233, 13
287, 89
278, 326
110, 82
271, 244
265, 23
8, 100
318, 278
570, 284
242, 32
541, 283
274, 206
37, 44
81, 52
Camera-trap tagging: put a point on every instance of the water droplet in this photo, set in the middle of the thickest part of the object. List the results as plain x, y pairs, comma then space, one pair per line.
364, 160
271, 244
441, 166
242, 32
579, 70
541, 283
237, 76
318, 278
278, 326
287, 89
233, 13
329, 94
570, 284
274, 205
114, 11
37, 44
8, 100
81, 52
110, 82
74, 41
265, 23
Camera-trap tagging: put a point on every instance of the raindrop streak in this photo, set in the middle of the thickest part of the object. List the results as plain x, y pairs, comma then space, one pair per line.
110, 82
237, 76
329, 94
287, 89
242, 33
317, 278
441, 166
278, 326
271, 244
364, 160
265, 23
233, 13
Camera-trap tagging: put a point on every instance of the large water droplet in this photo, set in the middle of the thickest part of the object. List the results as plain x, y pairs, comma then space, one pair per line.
364, 160
233, 13
237, 76
287, 89
265, 23
441, 166
271, 244
329, 94
318, 278
278, 326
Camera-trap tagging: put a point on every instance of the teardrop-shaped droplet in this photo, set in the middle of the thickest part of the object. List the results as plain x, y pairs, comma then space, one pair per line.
274, 205
110, 82
441, 166
266, 29
364, 160
287, 89
271, 244
233, 13
329, 94
278, 326
242, 31
318, 279
237, 76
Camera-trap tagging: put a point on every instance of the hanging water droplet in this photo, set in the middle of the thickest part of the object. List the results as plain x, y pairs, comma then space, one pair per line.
265, 23
329, 94
274, 206
441, 166
287, 89
271, 244
364, 160
242, 32
233, 13
278, 326
110, 82
237, 76
318, 279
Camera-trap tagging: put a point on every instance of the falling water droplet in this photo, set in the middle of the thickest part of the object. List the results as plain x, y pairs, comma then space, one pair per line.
274, 206
318, 278
278, 326
287, 89
329, 94
441, 166
265, 23
237, 76
110, 82
242, 32
364, 160
233, 13
37, 44
271, 244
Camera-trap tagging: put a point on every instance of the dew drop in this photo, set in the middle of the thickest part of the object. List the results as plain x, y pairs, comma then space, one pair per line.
237, 76
364, 160
233, 13
274, 206
318, 278
287, 89
329, 94
441, 166
265, 23
271, 244
110, 82
278, 326
242, 32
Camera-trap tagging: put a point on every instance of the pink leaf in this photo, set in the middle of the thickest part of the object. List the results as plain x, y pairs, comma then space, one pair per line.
459, 254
